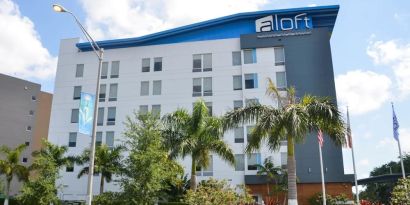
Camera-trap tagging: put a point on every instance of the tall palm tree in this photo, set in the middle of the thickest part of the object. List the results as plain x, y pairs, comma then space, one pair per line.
10, 166
198, 135
292, 120
107, 162
54, 154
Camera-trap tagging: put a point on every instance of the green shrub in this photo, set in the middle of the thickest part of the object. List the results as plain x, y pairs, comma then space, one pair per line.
401, 192
108, 198
330, 200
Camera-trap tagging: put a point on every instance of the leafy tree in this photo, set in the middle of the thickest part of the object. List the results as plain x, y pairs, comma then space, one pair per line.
177, 189
214, 192
109, 198
108, 162
41, 189
381, 191
198, 135
401, 192
292, 120
276, 175
148, 167
10, 166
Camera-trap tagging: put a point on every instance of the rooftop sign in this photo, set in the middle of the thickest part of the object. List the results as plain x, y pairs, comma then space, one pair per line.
277, 23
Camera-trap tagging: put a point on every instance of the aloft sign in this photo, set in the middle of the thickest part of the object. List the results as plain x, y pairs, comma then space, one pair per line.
278, 23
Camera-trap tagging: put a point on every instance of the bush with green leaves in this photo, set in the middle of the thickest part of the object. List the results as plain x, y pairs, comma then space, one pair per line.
214, 192
401, 192
108, 198
330, 199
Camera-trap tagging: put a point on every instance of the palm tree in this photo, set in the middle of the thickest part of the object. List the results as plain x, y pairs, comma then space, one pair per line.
54, 154
107, 163
292, 120
198, 135
274, 174
10, 166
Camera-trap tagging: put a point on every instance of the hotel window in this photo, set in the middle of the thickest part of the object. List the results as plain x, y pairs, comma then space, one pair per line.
98, 138
31, 112
253, 161
284, 160
77, 93
156, 110
209, 106
239, 162
70, 167
208, 171
115, 69
251, 81
237, 82
109, 139
24, 160
74, 115
238, 134
196, 87
33, 98
236, 58
79, 70
237, 104
279, 56
251, 101
100, 116
104, 70
156, 87
248, 132
249, 56
157, 64
112, 96
28, 128
101, 96
111, 115
143, 109
202, 62
146, 64
72, 139
207, 86
144, 88
27, 144
281, 80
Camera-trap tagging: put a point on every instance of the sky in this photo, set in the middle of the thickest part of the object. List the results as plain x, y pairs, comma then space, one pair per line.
370, 49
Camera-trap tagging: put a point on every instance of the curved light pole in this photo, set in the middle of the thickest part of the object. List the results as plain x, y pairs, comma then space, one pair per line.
99, 52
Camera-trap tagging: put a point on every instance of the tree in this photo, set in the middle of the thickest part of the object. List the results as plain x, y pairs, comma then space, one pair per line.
292, 120
214, 192
276, 175
108, 162
401, 192
197, 135
41, 189
177, 189
381, 191
10, 166
148, 167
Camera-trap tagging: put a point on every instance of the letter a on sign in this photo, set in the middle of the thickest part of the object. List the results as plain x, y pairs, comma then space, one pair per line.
85, 121
264, 24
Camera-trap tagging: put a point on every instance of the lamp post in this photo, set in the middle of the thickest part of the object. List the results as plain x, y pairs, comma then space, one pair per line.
99, 52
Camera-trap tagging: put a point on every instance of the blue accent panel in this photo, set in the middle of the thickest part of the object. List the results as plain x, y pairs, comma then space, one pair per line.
231, 26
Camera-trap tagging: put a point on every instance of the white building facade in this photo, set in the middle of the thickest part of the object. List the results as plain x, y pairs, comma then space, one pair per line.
168, 70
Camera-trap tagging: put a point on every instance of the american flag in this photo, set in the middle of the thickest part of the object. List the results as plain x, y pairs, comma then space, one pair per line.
395, 125
320, 138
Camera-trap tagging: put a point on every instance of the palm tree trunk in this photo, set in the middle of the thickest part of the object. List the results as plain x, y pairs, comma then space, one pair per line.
6, 200
292, 187
193, 175
102, 184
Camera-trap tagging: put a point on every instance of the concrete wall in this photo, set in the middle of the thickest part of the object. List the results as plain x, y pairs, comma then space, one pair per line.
18, 99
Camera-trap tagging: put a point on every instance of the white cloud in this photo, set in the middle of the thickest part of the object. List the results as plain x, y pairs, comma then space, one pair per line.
405, 139
131, 18
396, 55
364, 162
312, 5
362, 91
21, 51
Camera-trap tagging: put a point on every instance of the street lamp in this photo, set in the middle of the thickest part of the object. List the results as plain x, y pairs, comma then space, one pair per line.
99, 52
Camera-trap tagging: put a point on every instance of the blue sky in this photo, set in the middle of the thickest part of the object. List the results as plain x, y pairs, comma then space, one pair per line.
370, 48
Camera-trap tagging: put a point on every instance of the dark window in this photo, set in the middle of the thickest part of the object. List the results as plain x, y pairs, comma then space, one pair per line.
145, 64
102, 94
74, 115
79, 70
157, 64
77, 93
70, 168
72, 139
111, 116
251, 81
98, 140
112, 95
104, 70
24, 159
33, 98
27, 143
115, 69
100, 116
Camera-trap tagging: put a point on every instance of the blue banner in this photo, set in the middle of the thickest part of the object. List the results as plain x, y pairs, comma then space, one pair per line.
86, 114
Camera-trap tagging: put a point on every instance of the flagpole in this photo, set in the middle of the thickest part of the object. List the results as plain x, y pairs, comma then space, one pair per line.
396, 136
323, 176
350, 143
